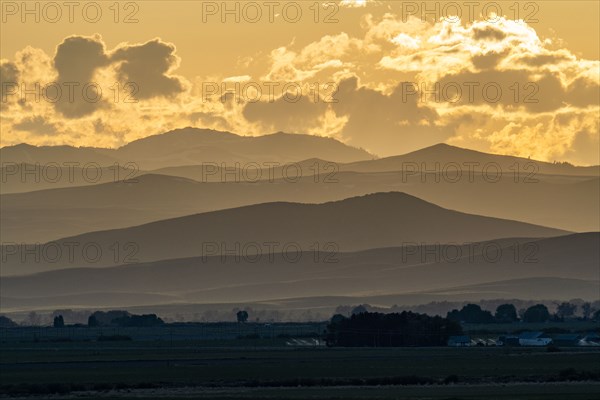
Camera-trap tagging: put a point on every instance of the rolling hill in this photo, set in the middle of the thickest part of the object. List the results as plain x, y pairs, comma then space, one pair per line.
443, 157
358, 223
553, 268
42, 216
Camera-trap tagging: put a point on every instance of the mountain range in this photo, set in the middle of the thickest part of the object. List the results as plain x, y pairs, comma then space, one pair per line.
196, 216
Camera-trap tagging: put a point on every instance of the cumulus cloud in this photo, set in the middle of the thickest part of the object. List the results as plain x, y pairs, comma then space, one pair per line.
149, 66
76, 61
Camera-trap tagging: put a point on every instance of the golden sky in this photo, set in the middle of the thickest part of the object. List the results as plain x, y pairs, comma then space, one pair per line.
351, 68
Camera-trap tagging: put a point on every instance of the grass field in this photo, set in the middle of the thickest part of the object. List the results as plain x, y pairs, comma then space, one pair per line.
260, 368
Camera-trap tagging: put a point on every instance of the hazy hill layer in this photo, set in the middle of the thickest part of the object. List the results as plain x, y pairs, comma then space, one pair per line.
47, 215
553, 268
359, 223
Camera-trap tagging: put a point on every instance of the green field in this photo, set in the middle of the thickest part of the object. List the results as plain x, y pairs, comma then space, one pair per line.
269, 369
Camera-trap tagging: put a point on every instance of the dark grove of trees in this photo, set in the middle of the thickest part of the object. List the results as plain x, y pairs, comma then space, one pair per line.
390, 330
507, 313
6, 322
471, 314
146, 320
123, 319
537, 313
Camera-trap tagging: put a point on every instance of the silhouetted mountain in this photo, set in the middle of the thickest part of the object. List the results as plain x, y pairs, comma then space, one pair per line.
372, 221
445, 158
55, 155
191, 146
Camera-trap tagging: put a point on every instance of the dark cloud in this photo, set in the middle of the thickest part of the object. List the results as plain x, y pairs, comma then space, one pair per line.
488, 60
286, 115
543, 59
9, 75
488, 33
147, 65
36, 125
583, 92
77, 59
381, 123
209, 120
512, 88
387, 124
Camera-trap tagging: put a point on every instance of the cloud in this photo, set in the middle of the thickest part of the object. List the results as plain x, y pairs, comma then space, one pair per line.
297, 116
78, 57
209, 120
36, 125
9, 77
372, 64
386, 123
149, 66
584, 147
76, 61
371, 119
353, 3
488, 33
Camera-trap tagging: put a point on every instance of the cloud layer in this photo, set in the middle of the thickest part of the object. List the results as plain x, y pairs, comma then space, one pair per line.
398, 86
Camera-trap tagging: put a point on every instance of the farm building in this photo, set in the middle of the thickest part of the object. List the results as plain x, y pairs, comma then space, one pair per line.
508, 341
567, 339
590, 339
459, 341
534, 339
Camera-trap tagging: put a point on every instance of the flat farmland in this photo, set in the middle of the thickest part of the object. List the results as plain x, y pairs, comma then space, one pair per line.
259, 368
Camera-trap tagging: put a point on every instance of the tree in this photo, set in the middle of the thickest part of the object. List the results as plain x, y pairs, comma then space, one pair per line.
471, 314
337, 318
359, 309
33, 319
566, 310
59, 321
587, 310
506, 313
144, 320
537, 313
242, 316
93, 321
6, 322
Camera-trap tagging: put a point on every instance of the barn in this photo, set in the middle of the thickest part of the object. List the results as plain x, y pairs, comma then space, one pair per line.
534, 339
567, 339
459, 341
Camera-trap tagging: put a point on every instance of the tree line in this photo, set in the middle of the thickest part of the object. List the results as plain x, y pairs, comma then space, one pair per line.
507, 313
390, 330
